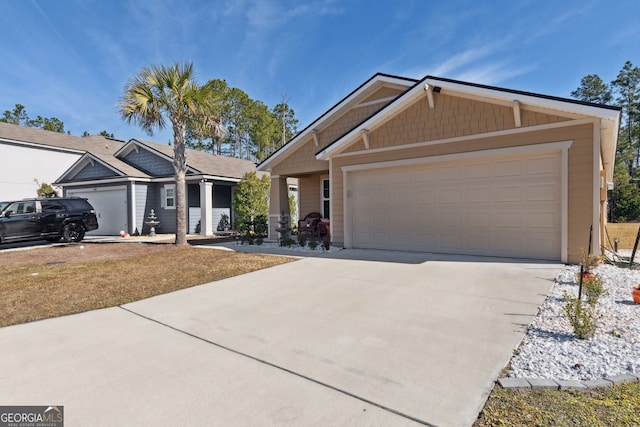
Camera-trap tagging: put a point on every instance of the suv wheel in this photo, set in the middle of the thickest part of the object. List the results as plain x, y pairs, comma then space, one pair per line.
73, 232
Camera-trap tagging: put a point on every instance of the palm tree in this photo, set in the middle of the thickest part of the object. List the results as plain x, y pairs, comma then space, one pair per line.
158, 94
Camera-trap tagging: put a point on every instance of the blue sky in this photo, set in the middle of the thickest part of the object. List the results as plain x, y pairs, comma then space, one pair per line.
71, 59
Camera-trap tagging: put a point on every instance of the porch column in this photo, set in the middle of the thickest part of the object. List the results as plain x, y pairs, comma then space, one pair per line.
278, 203
206, 208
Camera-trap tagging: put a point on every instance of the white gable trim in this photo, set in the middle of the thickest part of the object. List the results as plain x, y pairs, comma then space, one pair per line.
329, 116
507, 97
135, 145
82, 162
490, 95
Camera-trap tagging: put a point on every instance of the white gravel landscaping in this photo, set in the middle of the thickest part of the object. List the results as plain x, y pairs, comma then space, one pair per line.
551, 350
295, 247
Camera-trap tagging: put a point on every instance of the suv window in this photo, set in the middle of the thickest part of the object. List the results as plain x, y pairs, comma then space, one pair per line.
51, 205
77, 204
22, 207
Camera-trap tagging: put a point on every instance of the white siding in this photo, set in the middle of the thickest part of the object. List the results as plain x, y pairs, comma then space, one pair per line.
22, 165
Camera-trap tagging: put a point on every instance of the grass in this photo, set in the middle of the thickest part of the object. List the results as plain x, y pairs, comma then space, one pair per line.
59, 280
613, 406
625, 231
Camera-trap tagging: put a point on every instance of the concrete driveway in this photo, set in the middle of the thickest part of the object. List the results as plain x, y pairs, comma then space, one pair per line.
362, 338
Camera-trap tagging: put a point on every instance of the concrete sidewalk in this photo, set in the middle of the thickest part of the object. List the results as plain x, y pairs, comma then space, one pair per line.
319, 341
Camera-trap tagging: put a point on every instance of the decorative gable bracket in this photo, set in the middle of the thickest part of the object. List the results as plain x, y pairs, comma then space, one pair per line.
365, 138
516, 113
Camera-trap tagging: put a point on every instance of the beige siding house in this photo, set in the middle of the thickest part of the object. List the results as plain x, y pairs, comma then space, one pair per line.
439, 165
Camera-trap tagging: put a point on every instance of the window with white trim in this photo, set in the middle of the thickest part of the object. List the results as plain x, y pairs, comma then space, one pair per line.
325, 197
168, 196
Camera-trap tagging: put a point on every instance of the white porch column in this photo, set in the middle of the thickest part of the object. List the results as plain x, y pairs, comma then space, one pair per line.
206, 208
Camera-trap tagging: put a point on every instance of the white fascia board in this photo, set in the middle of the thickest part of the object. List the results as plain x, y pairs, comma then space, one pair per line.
329, 115
211, 178
506, 96
101, 181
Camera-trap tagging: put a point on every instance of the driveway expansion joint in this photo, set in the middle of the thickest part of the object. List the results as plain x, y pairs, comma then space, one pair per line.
281, 368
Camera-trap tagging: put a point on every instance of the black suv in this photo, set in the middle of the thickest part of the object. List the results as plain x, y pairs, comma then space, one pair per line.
65, 218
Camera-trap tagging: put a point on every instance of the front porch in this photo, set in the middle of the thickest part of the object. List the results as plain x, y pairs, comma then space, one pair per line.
312, 194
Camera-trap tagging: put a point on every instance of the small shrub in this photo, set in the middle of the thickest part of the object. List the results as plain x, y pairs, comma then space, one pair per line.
289, 242
593, 289
589, 261
313, 245
302, 239
583, 318
259, 241
326, 241
261, 225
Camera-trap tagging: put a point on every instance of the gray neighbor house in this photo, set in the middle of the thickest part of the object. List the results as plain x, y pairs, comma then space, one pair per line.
125, 181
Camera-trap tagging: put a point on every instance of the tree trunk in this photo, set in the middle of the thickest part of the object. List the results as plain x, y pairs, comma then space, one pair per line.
181, 209
180, 167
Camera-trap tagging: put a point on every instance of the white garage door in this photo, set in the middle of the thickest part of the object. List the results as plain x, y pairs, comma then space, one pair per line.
110, 204
499, 207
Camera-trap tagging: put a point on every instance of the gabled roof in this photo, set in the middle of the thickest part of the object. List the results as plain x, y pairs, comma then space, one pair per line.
377, 80
56, 141
198, 162
119, 167
609, 116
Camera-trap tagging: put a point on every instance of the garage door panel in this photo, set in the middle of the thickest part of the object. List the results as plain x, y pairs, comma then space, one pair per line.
541, 220
478, 194
508, 193
477, 171
503, 207
477, 219
450, 173
542, 192
542, 166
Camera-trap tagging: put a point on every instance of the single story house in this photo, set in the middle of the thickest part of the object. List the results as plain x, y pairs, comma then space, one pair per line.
439, 165
126, 182
30, 155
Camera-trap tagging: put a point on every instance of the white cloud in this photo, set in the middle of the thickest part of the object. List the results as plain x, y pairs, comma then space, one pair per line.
462, 59
493, 73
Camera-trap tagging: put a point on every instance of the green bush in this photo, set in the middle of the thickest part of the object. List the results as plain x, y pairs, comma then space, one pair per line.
593, 289
582, 317
251, 199
261, 225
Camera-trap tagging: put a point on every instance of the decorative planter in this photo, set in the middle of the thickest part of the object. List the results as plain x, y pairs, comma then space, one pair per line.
636, 295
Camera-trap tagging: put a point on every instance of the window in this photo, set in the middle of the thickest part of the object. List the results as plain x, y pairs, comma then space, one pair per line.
51, 205
325, 198
168, 196
22, 207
